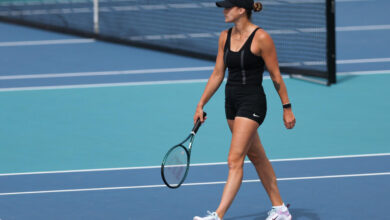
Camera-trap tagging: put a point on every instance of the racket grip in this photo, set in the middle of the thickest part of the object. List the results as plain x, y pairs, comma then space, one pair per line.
198, 124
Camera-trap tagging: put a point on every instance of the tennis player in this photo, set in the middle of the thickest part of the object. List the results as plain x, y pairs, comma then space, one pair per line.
245, 49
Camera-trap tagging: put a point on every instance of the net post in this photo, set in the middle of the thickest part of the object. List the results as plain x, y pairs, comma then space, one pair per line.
96, 16
331, 41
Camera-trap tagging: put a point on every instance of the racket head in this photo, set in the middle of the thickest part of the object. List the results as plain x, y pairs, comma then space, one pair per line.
174, 168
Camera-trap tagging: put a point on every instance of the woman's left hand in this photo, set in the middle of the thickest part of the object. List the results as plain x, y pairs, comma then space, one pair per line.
288, 118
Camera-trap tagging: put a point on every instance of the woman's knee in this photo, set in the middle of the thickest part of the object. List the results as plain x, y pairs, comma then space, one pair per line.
235, 161
257, 159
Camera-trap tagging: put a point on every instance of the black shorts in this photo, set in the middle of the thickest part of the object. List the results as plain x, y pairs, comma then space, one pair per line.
245, 101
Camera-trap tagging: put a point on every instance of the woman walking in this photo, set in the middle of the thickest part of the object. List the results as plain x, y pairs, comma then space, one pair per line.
246, 50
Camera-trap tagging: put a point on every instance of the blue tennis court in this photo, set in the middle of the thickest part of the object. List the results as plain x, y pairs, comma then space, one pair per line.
84, 125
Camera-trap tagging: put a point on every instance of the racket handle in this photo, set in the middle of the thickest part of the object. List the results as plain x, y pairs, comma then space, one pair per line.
198, 124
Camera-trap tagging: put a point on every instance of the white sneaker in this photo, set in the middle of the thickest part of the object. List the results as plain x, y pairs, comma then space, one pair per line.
210, 216
275, 214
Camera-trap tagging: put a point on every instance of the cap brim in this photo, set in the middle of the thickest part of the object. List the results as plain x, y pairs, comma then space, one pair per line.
224, 4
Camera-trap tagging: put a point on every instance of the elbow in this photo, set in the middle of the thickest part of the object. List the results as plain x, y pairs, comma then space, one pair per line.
218, 75
276, 76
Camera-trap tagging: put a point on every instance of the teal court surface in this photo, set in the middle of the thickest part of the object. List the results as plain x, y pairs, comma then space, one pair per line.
84, 126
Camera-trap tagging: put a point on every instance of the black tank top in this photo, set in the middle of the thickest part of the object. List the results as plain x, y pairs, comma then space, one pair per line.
244, 67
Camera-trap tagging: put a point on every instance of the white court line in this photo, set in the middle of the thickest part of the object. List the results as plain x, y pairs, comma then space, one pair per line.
163, 82
341, 62
338, 29
106, 73
363, 28
192, 184
294, 178
172, 70
102, 85
270, 31
46, 42
194, 165
370, 60
375, 72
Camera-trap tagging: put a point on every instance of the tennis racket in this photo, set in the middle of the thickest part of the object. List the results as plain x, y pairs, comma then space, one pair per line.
174, 168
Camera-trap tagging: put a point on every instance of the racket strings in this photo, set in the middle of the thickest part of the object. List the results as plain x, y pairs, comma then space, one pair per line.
175, 166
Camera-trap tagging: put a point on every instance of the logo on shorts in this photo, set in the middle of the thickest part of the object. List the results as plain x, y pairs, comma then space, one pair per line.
254, 115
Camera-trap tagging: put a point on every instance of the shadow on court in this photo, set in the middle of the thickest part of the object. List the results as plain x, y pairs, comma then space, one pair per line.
345, 78
296, 213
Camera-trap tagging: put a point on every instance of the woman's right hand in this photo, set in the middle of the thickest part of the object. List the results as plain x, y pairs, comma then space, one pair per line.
199, 114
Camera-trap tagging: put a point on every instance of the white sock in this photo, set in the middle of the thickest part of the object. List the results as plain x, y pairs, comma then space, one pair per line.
282, 208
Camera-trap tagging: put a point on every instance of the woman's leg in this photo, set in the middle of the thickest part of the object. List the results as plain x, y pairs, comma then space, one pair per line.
263, 167
242, 136
257, 156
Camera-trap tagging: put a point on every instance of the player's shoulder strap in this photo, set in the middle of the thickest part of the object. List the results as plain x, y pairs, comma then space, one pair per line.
227, 42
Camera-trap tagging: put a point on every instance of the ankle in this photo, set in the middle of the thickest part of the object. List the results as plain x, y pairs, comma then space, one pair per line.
277, 202
219, 213
281, 207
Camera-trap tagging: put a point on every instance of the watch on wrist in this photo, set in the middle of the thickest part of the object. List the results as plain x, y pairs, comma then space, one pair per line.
288, 105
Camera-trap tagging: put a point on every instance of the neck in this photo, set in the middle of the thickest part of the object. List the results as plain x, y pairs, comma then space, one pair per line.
242, 25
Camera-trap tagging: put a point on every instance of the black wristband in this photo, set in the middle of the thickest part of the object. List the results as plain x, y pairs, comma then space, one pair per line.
288, 105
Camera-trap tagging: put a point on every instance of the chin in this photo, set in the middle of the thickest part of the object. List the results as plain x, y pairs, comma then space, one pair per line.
227, 20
